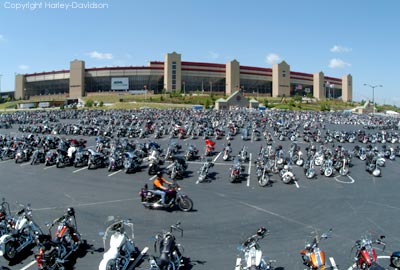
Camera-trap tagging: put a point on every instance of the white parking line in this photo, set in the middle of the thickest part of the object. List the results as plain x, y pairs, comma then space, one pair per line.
28, 265
217, 163
333, 263
351, 178
249, 172
111, 174
217, 157
81, 169
49, 167
297, 184
24, 164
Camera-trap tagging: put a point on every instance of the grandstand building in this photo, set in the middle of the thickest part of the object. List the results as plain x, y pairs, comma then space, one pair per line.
173, 74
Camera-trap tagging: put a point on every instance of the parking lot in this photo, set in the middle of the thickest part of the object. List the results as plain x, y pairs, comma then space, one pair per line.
224, 213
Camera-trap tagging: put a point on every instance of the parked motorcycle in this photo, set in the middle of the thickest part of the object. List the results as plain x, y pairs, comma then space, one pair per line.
263, 177
171, 253
174, 197
96, 160
287, 176
6, 220
395, 260
365, 255
178, 168
251, 257
55, 251
236, 171
203, 172
38, 156
313, 257
21, 236
121, 250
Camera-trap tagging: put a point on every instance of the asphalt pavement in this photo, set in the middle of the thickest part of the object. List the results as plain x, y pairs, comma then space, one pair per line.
224, 214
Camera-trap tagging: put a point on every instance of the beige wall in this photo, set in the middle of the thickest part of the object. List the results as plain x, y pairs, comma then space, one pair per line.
347, 88
169, 58
281, 79
318, 85
232, 79
19, 87
77, 79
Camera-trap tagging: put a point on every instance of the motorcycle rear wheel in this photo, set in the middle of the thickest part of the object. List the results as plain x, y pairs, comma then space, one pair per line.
328, 172
10, 252
185, 204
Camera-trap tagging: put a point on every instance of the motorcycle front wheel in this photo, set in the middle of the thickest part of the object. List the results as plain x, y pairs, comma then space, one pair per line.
263, 181
111, 265
185, 204
328, 172
343, 171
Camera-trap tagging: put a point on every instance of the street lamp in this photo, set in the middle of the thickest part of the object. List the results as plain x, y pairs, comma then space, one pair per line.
373, 95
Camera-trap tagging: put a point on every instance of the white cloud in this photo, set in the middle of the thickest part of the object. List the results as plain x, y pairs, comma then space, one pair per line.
273, 58
2, 38
213, 55
338, 63
23, 67
102, 56
340, 49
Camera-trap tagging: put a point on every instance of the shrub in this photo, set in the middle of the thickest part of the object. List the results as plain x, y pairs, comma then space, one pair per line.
89, 103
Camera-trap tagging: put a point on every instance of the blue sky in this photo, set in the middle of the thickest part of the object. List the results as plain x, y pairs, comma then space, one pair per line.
357, 37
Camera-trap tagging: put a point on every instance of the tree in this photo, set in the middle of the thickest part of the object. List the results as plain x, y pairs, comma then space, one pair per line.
297, 98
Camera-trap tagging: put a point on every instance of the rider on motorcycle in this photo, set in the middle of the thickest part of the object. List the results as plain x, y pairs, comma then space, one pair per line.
159, 187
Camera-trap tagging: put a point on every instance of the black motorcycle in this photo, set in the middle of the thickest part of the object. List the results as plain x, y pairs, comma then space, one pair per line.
171, 253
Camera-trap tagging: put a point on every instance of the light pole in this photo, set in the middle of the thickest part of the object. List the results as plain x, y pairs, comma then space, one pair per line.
0, 81
373, 95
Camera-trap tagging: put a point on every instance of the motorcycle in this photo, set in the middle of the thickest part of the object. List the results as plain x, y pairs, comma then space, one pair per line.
236, 171
21, 236
51, 158
62, 159
243, 155
365, 256
210, 147
178, 168
6, 219
96, 160
395, 260
38, 156
227, 153
171, 253
131, 162
121, 249
373, 168
313, 257
252, 258
262, 174
191, 152
154, 162
174, 197
203, 172
115, 161
309, 169
287, 176
53, 253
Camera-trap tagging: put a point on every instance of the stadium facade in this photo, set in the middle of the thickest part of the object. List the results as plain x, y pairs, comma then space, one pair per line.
188, 77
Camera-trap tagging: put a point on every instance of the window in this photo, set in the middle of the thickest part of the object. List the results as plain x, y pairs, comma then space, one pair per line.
283, 73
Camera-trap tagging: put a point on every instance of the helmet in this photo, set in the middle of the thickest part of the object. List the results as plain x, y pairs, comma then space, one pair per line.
261, 231
70, 211
159, 174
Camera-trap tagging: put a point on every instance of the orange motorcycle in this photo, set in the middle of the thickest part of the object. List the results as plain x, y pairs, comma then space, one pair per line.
313, 257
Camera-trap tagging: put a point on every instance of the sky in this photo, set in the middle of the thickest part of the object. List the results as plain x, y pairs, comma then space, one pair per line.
357, 37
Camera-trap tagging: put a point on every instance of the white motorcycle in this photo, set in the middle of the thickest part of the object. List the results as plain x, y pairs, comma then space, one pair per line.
122, 251
21, 236
287, 175
252, 257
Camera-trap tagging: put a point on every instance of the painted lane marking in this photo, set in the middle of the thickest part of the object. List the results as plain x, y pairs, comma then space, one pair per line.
24, 164
49, 167
87, 204
28, 265
297, 184
276, 215
111, 174
333, 263
217, 157
344, 182
81, 169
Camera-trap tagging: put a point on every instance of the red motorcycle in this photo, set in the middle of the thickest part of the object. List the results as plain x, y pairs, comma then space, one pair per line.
210, 147
366, 257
